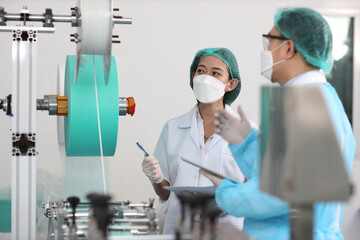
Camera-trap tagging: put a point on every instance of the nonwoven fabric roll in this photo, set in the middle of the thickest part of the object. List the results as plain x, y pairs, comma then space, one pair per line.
81, 125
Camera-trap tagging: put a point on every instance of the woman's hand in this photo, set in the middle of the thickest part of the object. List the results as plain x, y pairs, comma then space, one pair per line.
230, 128
151, 168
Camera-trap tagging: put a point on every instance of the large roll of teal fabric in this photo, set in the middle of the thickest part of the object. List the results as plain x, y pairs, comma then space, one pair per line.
81, 124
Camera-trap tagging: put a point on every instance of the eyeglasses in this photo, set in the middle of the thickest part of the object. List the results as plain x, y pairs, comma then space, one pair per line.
274, 37
268, 37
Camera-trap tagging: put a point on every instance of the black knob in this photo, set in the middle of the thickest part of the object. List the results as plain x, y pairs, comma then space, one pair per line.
74, 201
101, 212
98, 200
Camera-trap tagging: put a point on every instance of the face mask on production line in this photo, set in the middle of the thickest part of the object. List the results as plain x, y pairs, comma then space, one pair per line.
267, 62
208, 89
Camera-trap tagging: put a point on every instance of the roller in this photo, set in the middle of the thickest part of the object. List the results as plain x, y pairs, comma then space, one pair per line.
94, 33
81, 124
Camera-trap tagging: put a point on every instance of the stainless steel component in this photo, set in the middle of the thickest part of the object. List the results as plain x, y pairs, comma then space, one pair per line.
127, 228
130, 228
49, 103
301, 159
79, 214
134, 214
151, 214
58, 18
62, 18
43, 104
122, 106
36, 18
133, 218
52, 105
47, 206
301, 221
20, 29
3, 104
56, 221
126, 106
23, 199
122, 20
60, 223
119, 220
12, 17
142, 205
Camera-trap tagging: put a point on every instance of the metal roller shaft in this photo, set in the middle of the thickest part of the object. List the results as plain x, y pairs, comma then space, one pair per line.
122, 20
56, 18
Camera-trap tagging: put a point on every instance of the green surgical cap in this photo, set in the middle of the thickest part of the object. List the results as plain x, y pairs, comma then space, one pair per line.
229, 59
310, 33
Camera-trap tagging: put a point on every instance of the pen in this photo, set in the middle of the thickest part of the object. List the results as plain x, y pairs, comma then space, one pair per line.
142, 149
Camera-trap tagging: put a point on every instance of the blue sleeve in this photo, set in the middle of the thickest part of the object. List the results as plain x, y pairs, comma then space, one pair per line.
342, 126
246, 153
246, 200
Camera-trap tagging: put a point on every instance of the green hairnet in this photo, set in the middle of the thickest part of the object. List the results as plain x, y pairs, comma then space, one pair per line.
229, 59
310, 33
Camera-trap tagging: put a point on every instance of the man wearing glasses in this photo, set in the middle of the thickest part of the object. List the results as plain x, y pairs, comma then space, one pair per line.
297, 52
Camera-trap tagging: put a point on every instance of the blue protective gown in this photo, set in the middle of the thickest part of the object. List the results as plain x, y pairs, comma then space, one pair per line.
267, 217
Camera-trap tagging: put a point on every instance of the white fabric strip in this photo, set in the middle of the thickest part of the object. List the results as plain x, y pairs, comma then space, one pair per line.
99, 127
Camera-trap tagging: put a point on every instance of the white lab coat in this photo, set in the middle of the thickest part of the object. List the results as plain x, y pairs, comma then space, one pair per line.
180, 138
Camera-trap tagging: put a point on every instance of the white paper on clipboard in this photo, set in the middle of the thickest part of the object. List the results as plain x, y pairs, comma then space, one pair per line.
208, 170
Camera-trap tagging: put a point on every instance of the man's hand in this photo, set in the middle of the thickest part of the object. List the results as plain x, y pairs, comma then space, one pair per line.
230, 128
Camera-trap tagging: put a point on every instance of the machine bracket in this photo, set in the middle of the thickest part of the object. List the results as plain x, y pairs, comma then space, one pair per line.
2, 17
48, 21
23, 144
5, 105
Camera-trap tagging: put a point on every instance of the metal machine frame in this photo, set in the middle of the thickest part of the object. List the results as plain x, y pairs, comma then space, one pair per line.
23, 194
22, 105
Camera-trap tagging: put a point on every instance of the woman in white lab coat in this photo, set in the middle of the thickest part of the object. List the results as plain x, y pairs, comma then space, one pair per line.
215, 80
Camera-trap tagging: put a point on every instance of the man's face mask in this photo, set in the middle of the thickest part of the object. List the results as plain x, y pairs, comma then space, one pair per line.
267, 59
208, 89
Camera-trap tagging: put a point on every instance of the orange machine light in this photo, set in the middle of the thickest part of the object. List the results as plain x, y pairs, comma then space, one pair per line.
130, 104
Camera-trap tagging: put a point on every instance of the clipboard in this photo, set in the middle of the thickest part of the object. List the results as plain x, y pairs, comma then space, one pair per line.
208, 170
202, 190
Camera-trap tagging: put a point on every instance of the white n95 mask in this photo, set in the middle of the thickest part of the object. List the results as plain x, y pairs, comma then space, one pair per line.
208, 89
267, 62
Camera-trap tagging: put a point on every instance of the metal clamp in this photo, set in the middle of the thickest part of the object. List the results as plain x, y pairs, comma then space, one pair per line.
5, 105
2, 17
48, 21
